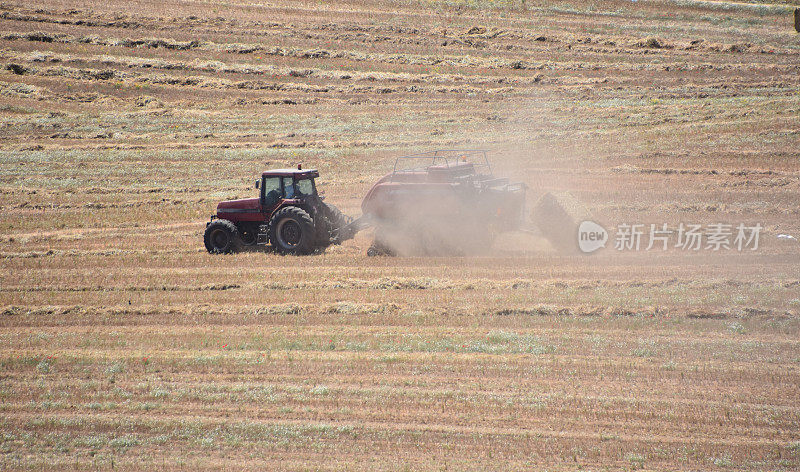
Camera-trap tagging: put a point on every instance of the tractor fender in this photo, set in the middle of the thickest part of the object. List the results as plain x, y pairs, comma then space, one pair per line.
291, 203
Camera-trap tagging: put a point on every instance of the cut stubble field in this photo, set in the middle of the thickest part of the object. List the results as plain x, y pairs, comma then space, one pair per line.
125, 345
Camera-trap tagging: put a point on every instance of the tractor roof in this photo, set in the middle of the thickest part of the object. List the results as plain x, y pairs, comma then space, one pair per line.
291, 172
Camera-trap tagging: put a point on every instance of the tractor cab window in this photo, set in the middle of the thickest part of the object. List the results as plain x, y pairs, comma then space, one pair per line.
305, 187
288, 187
272, 191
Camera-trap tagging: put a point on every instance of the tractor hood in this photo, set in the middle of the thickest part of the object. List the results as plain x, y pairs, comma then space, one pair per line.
235, 206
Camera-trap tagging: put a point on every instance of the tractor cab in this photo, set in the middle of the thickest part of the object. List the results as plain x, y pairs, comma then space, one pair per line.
279, 185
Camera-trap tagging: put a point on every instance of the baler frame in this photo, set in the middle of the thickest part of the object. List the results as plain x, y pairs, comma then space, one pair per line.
445, 155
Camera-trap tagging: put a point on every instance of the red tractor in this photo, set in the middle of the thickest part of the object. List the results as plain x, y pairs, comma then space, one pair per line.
288, 213
449, 205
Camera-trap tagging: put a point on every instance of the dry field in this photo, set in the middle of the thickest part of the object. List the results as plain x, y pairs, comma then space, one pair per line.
126, 346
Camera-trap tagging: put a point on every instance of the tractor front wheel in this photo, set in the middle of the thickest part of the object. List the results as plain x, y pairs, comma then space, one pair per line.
291, 231
222, 237
248, 234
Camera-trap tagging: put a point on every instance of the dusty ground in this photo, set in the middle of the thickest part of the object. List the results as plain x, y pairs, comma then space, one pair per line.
125, 345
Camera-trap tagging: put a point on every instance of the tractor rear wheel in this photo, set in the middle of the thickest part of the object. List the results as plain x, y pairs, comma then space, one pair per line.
222, 237
291, 231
